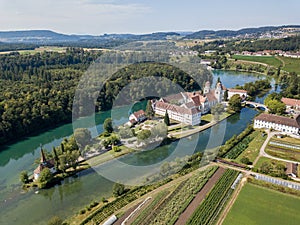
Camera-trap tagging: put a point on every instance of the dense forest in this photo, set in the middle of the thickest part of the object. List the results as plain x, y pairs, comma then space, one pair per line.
284, 44
37, 91
16, 46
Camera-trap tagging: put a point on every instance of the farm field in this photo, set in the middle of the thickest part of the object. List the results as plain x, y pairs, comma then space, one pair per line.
252, 151
167, 208
208, 211
291, 64
253, 204
288, 64
285, 148
270, 60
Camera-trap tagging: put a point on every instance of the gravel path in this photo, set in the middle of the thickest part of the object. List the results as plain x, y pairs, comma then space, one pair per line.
183, 218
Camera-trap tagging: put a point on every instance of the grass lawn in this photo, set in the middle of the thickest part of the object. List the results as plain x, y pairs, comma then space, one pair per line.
265, 159
254, 146
270, 60
107, 156
291, 64
256, 205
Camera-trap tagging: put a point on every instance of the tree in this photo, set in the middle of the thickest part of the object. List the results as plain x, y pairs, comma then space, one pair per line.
276, 107
24, 177
274, 104
83, 137
144, 134
118, 189
45, 176
107, 125
55, 221
226, 95
217, 110
235, 103
166, 118
149, 110
245, 160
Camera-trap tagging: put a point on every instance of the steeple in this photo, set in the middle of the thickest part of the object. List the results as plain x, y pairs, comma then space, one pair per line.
219, 92
206, 88
43, 157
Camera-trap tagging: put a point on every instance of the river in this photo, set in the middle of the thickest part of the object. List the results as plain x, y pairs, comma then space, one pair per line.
20, 207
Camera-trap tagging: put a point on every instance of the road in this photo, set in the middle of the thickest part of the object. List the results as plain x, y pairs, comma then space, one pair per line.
262, 152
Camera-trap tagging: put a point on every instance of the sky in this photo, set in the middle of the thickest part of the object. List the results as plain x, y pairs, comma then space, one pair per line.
144, 16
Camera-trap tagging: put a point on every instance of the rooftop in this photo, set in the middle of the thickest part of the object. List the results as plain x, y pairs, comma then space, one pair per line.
279, 119
291, 102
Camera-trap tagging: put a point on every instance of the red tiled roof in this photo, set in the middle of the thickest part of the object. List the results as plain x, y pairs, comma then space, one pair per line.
189, 105
279, 120
174, 97
196, 100
211, 96
291, 168
139, 114
291, 102
175, 108
237, 90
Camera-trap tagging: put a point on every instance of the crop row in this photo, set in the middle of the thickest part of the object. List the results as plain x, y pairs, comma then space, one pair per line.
150, 208
176, 203
210, 207
110, 208
239, 148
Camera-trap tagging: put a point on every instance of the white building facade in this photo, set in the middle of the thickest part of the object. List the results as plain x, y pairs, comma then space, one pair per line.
279, 123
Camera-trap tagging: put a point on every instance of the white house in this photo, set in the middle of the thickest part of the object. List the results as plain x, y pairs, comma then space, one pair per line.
280, 123
137, 117
242, 93
291, 104
182, 114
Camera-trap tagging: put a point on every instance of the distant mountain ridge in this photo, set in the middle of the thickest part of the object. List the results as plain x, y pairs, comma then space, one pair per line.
48, 37
250, 32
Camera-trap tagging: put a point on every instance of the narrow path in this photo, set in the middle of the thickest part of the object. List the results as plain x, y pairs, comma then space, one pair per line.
183, 218
264, 154
282, 61
232, 201
262, 148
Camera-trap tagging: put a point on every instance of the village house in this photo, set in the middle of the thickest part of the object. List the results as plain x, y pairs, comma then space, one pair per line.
279, 123
44, 163
242, 93
291, 104
292, 169
137, 117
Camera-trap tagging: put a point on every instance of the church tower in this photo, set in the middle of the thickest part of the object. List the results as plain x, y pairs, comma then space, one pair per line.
206, 87
219, 92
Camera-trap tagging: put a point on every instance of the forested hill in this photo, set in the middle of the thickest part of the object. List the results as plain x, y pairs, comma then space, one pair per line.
47, 37
37, 90
284, 44
246, 32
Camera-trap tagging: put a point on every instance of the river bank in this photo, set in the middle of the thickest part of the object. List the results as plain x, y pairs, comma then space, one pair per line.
75, 192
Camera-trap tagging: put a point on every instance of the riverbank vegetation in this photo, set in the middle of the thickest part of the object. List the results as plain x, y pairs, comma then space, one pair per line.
234, 141
255, 88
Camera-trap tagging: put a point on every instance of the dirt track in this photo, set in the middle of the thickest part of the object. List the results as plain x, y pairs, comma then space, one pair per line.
183, 218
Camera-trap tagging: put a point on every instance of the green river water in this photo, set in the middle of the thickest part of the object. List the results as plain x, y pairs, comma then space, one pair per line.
18, 207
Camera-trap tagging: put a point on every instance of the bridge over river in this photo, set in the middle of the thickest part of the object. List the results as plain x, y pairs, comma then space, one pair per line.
256, 105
